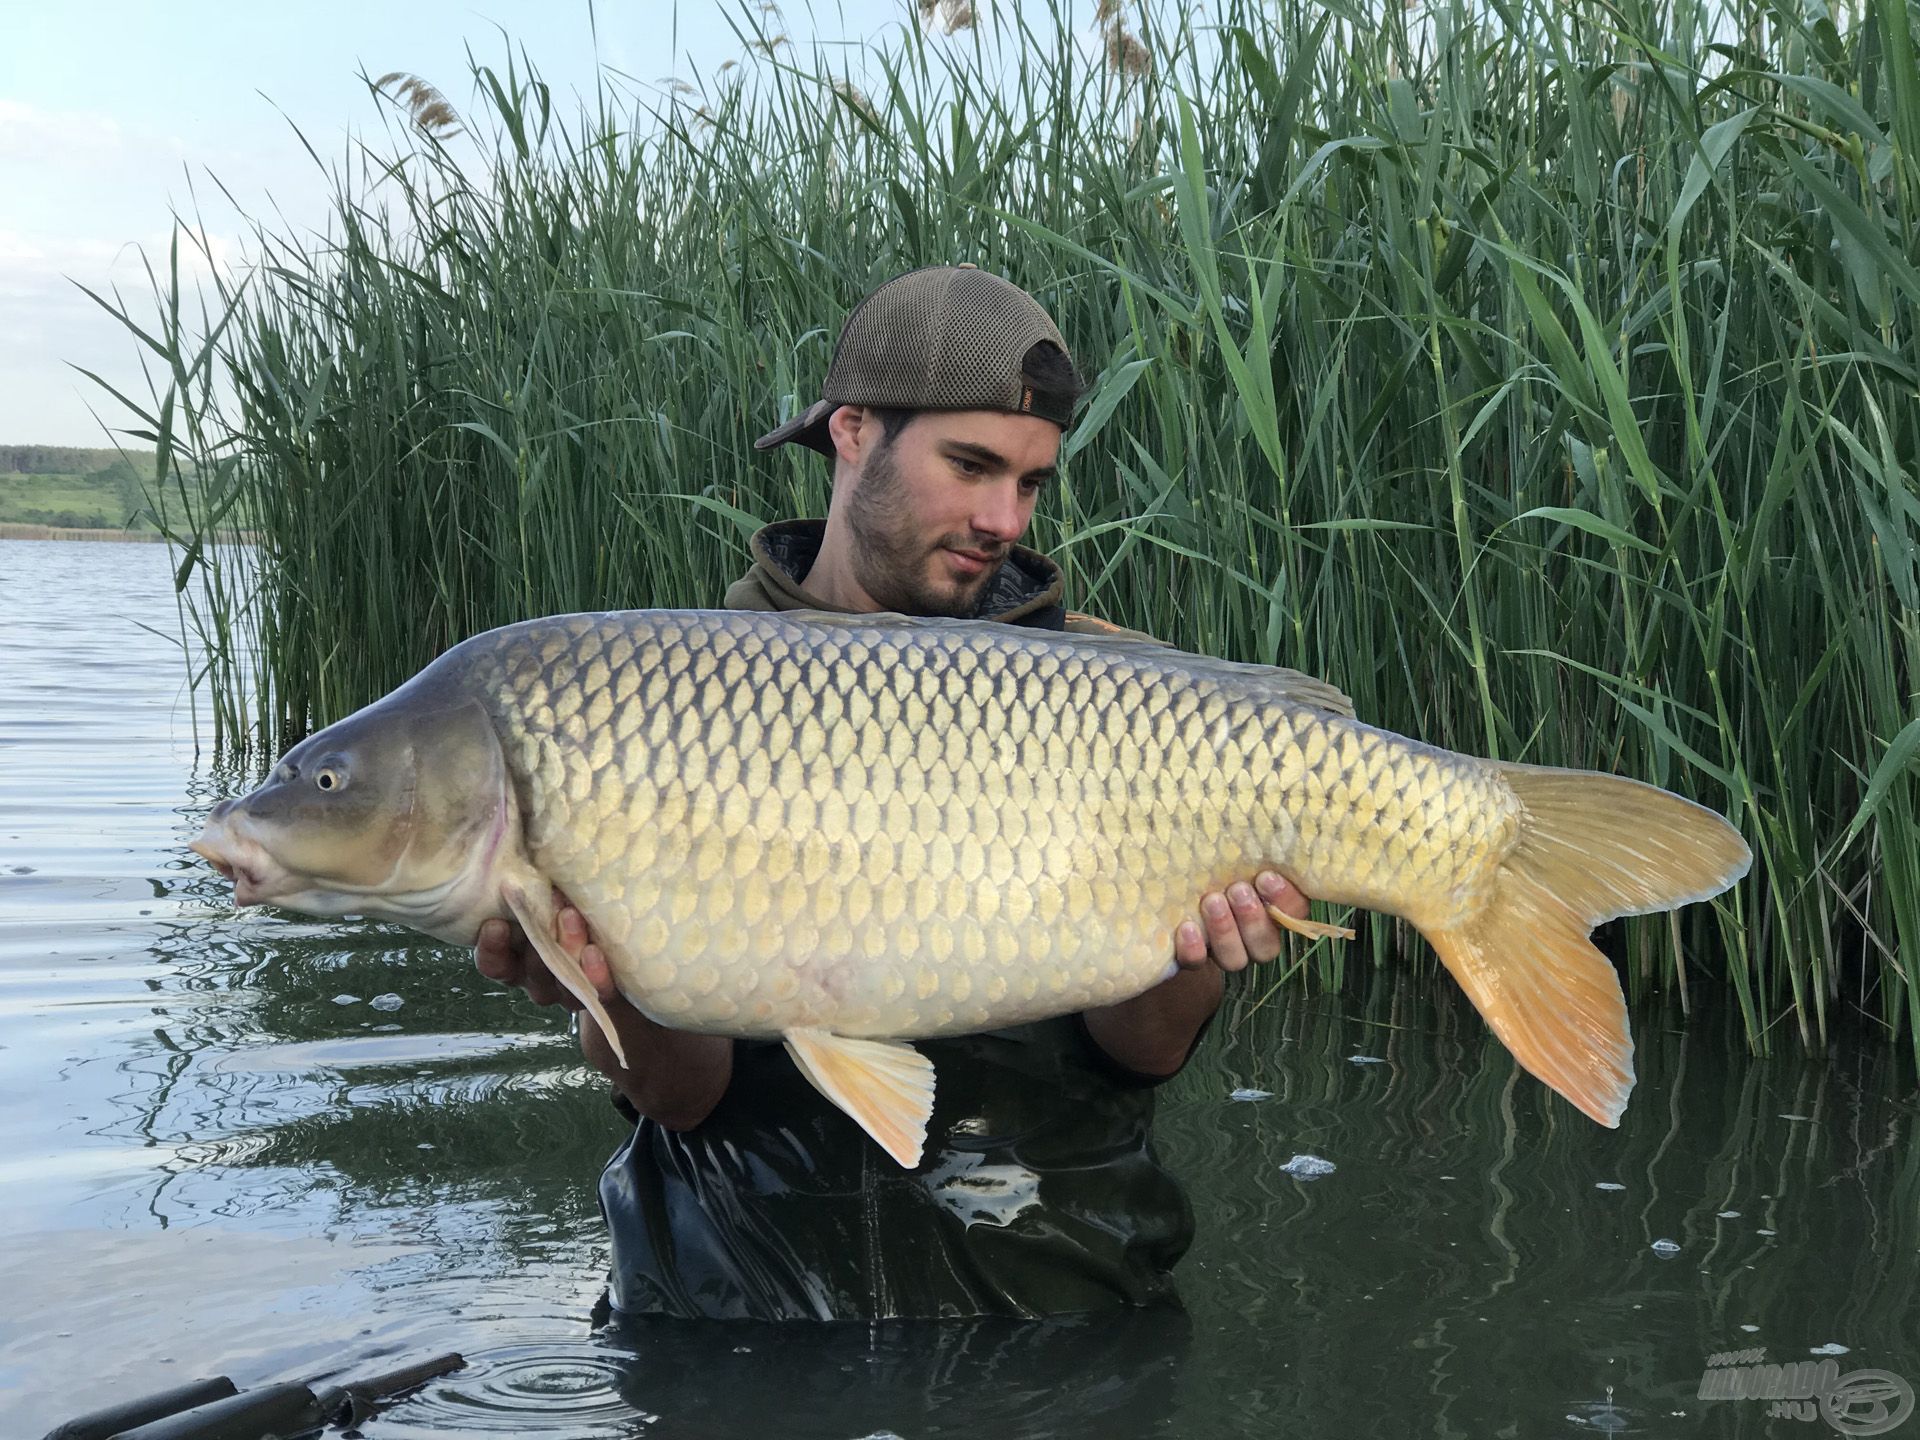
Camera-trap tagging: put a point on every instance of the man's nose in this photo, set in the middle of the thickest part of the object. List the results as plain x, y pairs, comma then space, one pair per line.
1001, 514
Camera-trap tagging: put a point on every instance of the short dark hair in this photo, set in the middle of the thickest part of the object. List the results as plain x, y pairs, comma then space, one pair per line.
1045, 365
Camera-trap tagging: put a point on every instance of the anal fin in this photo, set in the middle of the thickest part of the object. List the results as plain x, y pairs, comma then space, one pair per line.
533, 907
885, 1085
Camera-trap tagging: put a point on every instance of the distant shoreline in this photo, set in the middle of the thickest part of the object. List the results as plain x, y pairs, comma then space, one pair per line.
16, 530
20, 530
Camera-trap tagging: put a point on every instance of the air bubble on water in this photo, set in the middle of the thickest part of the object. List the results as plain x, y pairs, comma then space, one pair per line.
1365, 1060
1729, 1214
346, 999
388, 1001
1666, 1247
1766, 1232
1251, 1095
1751, 1329
424, 1145
1832, 1347
1308, 1167
1608, 1185
382, 1029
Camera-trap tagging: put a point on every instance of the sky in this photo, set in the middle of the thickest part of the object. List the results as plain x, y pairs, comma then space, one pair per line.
116, 114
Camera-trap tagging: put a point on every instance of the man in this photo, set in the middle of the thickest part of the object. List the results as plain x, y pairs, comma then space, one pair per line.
743, 1193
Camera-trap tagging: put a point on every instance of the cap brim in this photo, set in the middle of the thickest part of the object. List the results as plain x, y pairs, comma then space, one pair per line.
808, 428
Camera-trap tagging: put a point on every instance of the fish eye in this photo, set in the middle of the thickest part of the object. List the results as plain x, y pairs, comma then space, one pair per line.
330, 779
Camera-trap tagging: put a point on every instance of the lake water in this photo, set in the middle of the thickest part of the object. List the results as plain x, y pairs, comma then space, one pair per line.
246, 1144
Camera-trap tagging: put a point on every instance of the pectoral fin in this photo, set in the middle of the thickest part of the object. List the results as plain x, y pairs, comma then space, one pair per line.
532, 906
1312, 929
885, 1085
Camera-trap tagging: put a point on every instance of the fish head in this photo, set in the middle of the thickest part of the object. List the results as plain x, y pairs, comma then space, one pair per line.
396, 812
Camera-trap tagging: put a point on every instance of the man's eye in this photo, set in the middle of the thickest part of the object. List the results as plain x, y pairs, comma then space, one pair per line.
969, 467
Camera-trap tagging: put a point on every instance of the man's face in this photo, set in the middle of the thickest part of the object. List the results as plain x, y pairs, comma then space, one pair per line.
935, 512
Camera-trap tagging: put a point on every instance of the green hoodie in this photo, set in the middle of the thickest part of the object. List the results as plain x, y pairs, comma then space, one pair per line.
1039, 1192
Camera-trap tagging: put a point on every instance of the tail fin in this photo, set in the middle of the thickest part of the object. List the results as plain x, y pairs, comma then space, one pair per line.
1591, 848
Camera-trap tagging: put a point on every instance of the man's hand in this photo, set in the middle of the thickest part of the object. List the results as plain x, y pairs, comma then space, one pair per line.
1153, 1033
1238, 928
674, 1076
504, 954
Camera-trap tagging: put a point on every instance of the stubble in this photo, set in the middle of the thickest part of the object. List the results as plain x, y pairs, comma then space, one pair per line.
891, 564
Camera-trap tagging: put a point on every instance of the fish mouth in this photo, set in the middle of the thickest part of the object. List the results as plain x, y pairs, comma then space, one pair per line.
243, 879
237, 858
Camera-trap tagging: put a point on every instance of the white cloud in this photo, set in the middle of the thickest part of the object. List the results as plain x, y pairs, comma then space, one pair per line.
71, 137
86, 197
48, 326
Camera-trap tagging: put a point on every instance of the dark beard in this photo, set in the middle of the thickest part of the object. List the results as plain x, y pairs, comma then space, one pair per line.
892, 569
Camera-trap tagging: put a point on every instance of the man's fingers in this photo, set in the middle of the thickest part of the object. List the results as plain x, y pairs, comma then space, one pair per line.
1259, 936
1189, 946
1223, 933
571, 930
543, 989
593, 964
493, 953
502, 953
1276, 889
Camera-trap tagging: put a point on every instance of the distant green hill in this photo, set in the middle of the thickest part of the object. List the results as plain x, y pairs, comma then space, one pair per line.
65, 485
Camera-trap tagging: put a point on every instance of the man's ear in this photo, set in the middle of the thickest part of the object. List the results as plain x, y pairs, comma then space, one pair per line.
852, 429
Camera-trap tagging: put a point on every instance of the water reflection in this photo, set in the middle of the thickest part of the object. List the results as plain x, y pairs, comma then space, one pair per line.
1464, 1264
217, 1153
1005, 1378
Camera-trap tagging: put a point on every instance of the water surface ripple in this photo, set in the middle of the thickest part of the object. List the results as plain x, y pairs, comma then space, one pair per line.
219, 1154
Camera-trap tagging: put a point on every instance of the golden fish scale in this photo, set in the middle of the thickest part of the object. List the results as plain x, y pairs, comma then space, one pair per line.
909, 832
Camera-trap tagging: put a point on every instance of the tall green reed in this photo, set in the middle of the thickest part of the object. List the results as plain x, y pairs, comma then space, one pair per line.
1546, 375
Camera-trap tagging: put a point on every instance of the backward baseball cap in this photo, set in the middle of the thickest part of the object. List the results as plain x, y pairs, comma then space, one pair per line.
946, 337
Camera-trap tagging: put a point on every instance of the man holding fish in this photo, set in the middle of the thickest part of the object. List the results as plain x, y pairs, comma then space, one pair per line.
742, 1191
839, 839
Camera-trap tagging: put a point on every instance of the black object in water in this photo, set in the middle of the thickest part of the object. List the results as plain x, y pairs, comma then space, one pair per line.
217, 1409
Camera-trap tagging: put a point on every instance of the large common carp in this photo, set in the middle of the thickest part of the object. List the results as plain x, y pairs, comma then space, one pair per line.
853, 831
